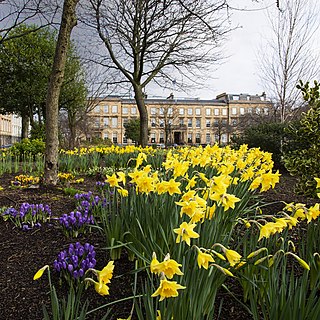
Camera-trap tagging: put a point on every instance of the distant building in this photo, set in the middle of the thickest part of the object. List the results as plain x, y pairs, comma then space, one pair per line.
179, 121
10, 129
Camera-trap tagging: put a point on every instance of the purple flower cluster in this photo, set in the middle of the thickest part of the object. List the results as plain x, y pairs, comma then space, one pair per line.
88, 202
74, 262
76, 222
29, 215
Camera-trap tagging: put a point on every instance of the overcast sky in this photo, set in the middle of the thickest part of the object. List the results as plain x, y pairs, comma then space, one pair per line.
240, 72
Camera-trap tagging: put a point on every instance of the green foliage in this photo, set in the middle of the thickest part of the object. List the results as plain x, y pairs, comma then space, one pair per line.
38, 131
266, 136
30, 147
132, 130
304, 160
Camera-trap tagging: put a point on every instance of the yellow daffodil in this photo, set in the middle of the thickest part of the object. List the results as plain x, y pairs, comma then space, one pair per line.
40, 272
185, 232
313, 212
167, 289
318, 182
123, 192
106, 273
204, 259
226, 200
233, 257
168, 267
101, 288
112, 180
154, 264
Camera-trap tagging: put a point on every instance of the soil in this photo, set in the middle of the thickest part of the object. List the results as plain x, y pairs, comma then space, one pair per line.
22, 253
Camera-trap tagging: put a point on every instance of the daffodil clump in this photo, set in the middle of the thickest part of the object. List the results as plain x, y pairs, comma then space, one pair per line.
24, 181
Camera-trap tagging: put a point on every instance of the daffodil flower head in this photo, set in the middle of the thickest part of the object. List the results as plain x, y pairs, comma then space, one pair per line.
203, 259
40, 272
167, 289
185, 232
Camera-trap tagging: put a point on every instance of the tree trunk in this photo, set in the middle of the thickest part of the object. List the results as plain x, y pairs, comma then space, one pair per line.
139, 97
25, 127
68, 21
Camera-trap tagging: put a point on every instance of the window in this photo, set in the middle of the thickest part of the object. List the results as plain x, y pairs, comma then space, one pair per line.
224, 138
181, 111
234, 110
241, 110
207, 123
249, 110
216, 112
208, 138
198, 111
161, 111
97, 122
105, 136
198, 123
161, 123
235, 97
124, 110
124, 140
208, 112
234, 122
198, 140
153, 122
105, 109
181, 122
189, 137
216, 122
97, 109
153, 138
190, 111
114, 109
224, 112
124, 121
153, 111
161, 137
105, 122
224, 122
133, 110
189, 123
114, 122
114, 137
170, 111
258, 110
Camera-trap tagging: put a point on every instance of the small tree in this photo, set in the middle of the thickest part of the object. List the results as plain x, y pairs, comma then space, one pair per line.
132, 130
302, 151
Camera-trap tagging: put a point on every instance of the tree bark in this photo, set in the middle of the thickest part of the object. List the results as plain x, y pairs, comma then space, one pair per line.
25, 127
139, 97
68, 21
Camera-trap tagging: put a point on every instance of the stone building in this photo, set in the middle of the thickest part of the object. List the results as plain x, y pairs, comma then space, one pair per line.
180, 121
10, 129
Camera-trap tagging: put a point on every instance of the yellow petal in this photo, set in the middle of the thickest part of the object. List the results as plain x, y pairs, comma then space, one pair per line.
40, 272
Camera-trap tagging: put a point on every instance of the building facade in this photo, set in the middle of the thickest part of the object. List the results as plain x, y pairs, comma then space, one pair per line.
10, 129
180, 121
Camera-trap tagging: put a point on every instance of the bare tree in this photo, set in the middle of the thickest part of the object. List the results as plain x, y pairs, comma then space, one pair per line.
153, 40
287, 56
14, 13
68, 21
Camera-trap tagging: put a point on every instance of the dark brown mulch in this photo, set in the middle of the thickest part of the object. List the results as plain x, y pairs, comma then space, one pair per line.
22, 253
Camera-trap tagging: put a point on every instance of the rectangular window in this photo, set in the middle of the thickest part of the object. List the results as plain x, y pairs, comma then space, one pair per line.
208, 138
97, 122
181, 122
105, 122
241, 110
198, 123
189, 123
124, 121
208, 112
224, 112
234, 111
114, 137
249, 110
153, 138
124, 140
224, 138
189, 137
105, 136
224, 122
216, 112
181, 111
105, 109
114, 122
234, 122
161, 122
235, 97
207, 123
153, 122
124, 110
170, 111
161, 137
153, 111
216, 122
97, 109
190, 111
114, 109
258, 110
133, 110
198, 111
198, 140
